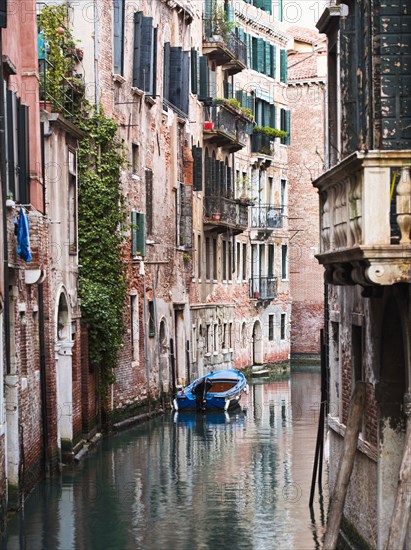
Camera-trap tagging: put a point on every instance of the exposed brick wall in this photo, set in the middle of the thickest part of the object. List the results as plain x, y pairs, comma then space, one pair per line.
305, 163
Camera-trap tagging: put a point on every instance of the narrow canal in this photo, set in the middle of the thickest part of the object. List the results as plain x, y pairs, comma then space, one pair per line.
186, 482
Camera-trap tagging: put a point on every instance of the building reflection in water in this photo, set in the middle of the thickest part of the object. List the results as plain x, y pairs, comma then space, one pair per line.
238, 480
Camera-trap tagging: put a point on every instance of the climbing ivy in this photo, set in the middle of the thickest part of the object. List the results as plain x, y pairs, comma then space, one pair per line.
101, 216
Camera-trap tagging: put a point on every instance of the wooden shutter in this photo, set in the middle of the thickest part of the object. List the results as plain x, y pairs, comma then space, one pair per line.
229, 11
254, 61
176, 64
194, 71
260, 55
197, 168
268, 59
3, 14
138, 17
283, 65
266, 5
154, 71
138, 234
208, 176
118, 38
149, 200
11, 150
287, 127
23, 145
204, 79
272, 116
273, 60
185, 77
146, 55
166, 71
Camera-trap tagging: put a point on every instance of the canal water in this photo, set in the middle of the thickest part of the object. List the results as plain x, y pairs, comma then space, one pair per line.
186, 482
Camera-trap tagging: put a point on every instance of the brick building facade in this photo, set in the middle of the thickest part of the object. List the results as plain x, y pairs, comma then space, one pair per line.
306, 95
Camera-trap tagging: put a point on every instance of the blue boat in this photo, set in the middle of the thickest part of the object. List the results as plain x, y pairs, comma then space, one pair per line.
218, 390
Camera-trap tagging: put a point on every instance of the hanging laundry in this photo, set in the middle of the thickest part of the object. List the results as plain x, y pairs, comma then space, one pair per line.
23, 237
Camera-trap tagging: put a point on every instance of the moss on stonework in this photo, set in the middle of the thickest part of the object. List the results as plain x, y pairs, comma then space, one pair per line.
142, 407
350, 538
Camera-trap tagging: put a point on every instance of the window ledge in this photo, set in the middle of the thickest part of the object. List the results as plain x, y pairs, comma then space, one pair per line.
149, 100
118, 79
137, 91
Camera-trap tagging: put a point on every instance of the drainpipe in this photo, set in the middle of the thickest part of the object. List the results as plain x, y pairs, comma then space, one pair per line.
4, 220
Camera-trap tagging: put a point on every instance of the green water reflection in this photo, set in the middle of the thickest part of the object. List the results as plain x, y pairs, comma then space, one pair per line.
238, 481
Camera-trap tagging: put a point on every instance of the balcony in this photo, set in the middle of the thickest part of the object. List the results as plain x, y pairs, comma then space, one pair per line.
221, 214
260, 143
223, 47
64, 96
263, 288
265, 218
365, 219
225, 127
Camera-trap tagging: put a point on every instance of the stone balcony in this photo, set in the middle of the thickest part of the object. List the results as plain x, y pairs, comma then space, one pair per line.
224, 48
225, 127
221, 213
263, 288
365, 219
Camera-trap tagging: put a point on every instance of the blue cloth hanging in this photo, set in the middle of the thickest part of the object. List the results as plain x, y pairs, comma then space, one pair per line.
23, 237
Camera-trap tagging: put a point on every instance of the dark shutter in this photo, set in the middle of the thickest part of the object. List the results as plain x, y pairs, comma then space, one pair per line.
194, 71
267, 59
166, 73
3, 14
118, 45
138, 234
154, 77
134, 232
287, 127
272, 116
254, 60
197, 168
261, 55
176, 56
266, 5
208, 175
185, 82
230, 193
149, 201
283, 65
145, 75
273, 60
23, 145
204, 79
11, 153
138, 17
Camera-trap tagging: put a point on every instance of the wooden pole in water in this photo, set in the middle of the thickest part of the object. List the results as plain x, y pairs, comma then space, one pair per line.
346, 464
402, 507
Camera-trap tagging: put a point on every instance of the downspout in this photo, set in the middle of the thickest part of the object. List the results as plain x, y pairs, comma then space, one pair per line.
4, 220
96, 58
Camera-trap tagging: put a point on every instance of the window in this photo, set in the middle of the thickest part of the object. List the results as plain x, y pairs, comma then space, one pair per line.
230, 335
134, 326
238, 252
208, 258
271, 327
144, 54
284, 261
138, 234
118, 42
135, 158
225, 336
244, 258
214, 259
176, 77
270, 270
199, 256
283, 196
224, 260
151, 319
17, 148
208, 338
72, 198
282, 326
194, 343
215, 337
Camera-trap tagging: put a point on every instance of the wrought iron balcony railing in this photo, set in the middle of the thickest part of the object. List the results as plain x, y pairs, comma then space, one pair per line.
225, 213
365, 219
266, 217
225, 127
63, 95
263, 288
223, 46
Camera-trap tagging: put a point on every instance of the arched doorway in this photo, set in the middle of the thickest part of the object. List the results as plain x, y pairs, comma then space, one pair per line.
257, 344
64, 347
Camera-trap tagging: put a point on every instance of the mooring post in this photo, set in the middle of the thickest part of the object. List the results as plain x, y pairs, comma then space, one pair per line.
345, 466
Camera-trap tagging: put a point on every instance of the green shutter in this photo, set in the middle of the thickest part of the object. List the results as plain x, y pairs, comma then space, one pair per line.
250, 103
283, 65
268, 59
254, 62
229, 12
194, 71
273, 60
204, 79
287, 127
280, 10
197, 168
261, 55
266, 5
138, 234
272, 116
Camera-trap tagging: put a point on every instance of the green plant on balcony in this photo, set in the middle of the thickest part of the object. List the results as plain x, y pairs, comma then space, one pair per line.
235, 104
271, 133
244, 190
220, 24
57, 64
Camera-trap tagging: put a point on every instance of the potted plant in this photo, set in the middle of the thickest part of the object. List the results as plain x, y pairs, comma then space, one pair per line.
208, 125
221, 26
216, 216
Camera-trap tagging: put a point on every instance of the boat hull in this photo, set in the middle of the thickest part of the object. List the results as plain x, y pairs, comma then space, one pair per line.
199, 396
